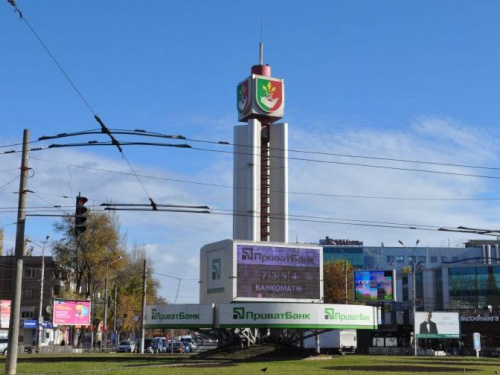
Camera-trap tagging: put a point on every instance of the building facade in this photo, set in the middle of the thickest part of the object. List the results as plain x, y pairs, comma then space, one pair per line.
447, 279
31, 297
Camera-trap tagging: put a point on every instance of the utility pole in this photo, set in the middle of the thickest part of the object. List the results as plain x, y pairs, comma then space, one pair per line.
413, 291
143, 311
40, 307
11, 362
105, 325
114, 314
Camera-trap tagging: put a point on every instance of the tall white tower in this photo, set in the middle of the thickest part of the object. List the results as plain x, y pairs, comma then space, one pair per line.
260, 197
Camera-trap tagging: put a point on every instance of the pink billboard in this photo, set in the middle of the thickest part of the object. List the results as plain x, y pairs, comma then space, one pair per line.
5, 305
71, 312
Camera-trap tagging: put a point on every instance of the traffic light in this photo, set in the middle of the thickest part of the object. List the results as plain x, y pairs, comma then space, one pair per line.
80, 218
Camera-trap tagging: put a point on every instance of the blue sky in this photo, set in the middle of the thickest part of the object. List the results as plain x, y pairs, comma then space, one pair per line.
405, 80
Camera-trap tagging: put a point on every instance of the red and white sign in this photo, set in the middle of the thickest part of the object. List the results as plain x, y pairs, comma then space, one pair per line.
5, 307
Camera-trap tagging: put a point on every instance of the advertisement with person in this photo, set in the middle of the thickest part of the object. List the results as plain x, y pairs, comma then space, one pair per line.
71, 312
437, 325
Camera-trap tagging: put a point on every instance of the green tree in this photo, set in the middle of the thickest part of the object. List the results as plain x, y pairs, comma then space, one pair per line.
87, 254
130, 282
334, 276
92, 255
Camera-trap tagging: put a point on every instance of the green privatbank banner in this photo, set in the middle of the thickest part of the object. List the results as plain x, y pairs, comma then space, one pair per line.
297, 315
179, 316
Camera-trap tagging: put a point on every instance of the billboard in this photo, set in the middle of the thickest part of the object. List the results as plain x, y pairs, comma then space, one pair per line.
179, 316
278, 272
437, 325
297, 315
71, 312
5, 306
374, 285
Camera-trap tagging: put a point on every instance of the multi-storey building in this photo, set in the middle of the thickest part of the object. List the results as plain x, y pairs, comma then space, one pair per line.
462, 279
31, 296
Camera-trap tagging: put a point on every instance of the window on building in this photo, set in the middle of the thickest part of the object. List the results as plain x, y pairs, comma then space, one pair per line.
30, 273
390, 258
434, 259
444, 259
455, 259
27, 314
400, 259
27, 293
422, 258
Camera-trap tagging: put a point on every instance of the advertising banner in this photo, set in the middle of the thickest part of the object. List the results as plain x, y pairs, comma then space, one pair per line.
29, 323
5, 306
71, 312
437, 325
179, 316
374, 286
278, 273
297, 315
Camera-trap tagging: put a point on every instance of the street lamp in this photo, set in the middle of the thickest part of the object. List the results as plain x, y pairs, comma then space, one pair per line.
415, 341
40, 307
105, 338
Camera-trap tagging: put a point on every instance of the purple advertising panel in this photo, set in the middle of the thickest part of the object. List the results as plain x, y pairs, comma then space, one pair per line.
5, 306
275, 272
374, 285
71, 312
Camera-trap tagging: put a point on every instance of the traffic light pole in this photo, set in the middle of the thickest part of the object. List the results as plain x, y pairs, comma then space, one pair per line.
143, 309
11, 361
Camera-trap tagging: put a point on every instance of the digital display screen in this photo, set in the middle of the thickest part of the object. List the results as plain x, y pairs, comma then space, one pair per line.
71, 312
272, 272
374, 285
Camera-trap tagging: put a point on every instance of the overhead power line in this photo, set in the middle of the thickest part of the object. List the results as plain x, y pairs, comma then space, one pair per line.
231, 152
312, 219
242, 188
93, 143
156, 207
104, 129
137, 132
142, 132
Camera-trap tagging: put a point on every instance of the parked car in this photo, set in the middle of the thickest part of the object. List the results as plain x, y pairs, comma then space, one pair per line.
188, 341
150, 346
126, 347
3, 345
175, 347
188, 347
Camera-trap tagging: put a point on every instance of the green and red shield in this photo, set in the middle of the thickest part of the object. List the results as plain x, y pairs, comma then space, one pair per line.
269, 94
243, 97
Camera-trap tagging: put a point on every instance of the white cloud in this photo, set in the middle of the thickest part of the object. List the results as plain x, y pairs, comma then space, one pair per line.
372, 182
173, 240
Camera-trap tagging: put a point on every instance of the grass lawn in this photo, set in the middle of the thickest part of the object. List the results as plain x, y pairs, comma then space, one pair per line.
137, 364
